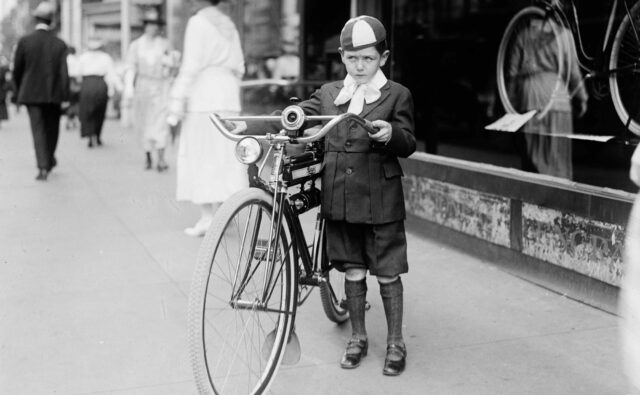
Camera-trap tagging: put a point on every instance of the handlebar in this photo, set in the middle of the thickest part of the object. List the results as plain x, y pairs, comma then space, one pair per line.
292, 118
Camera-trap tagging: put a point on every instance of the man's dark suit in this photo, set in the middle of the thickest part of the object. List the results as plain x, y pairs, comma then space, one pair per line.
42, 84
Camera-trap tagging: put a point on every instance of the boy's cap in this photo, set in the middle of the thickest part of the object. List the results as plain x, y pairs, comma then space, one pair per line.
362, 32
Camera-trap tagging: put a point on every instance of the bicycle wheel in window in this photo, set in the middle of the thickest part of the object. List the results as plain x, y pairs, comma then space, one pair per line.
531, 65
624, 66
332, 289
241, 307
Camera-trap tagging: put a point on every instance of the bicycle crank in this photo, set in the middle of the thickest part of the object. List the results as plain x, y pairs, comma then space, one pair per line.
292, 351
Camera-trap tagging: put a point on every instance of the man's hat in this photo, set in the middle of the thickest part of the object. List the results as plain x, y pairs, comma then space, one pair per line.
44, 10
152, 15
362, 32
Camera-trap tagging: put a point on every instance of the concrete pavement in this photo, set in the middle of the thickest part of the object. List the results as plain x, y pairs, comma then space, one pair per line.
95, 273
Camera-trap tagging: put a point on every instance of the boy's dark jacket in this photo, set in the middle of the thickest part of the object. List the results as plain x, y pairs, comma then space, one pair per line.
361, 180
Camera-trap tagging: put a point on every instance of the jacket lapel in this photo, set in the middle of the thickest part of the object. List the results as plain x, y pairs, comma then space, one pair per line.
385, 91
334, 93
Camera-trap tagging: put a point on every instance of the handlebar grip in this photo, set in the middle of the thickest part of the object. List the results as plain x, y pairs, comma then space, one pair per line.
370, 128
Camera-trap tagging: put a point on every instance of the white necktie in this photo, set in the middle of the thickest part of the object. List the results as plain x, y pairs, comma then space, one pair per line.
357, 100
359, 94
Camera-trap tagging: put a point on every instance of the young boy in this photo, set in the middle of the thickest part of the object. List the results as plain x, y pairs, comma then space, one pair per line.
362, 198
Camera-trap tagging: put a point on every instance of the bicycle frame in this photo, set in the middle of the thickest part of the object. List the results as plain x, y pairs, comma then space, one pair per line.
573, 23
308, 265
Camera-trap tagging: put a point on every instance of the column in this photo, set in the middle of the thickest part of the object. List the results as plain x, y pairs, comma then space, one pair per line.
125, 27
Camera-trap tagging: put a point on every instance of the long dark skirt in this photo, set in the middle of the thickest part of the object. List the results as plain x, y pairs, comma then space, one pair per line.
93, 105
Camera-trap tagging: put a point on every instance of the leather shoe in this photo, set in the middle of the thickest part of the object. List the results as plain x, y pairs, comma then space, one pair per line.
395, 361
42, 175
356, 350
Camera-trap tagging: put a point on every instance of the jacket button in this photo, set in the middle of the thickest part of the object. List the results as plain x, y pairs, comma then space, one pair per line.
349, 171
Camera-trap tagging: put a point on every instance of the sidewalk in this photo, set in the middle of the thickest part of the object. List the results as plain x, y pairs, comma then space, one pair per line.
95, 273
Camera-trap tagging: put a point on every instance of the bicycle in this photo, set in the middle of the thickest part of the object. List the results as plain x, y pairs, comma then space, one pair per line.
255, 267
618, 60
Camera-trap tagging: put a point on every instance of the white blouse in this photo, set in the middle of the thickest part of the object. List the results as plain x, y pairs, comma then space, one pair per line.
212, 65
99, 63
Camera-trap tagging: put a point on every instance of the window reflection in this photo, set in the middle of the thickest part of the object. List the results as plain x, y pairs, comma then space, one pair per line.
445, 52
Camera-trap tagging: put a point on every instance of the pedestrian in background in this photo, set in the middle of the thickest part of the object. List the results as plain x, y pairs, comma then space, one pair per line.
75, 82
5, 88
42, 84
208, 81
99, 82
150, 63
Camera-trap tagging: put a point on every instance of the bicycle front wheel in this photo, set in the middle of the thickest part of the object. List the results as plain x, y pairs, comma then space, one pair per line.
624, 66
531, 65
243, 298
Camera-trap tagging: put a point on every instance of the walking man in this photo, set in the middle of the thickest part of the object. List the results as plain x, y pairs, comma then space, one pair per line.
42, 84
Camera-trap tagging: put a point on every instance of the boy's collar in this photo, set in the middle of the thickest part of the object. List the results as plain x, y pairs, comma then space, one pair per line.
378, 80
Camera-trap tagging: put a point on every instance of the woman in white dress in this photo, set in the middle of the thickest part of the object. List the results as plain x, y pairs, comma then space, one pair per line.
149, 65
208, 82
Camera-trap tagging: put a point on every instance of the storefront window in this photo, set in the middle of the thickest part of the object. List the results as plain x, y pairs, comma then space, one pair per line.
270, 33
446, 53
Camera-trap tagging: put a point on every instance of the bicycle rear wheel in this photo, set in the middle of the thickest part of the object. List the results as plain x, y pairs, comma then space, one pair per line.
241, 307
332, 289
624, 66
533, 39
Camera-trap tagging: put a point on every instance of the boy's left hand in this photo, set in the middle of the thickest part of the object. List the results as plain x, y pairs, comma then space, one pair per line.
384, 131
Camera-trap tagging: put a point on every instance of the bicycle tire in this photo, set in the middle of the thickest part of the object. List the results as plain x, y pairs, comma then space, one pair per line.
624, 85
332, 290
227, 352
508, 61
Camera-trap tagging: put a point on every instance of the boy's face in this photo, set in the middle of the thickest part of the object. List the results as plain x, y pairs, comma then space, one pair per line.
363, 64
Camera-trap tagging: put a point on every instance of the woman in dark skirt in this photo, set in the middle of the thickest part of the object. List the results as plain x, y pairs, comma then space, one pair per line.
94, 96
98, 83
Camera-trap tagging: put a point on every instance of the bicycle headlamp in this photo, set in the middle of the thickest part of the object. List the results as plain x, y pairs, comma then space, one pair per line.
248, 150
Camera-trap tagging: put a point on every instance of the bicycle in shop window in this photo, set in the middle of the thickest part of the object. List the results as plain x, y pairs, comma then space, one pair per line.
255, 266
557, 36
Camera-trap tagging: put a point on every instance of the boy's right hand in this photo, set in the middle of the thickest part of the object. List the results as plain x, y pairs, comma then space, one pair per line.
383, 135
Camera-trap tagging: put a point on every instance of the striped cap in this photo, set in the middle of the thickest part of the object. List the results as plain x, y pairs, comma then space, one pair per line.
362, 32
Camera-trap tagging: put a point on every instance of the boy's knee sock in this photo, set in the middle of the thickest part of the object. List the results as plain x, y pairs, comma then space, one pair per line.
392, 301
356, 292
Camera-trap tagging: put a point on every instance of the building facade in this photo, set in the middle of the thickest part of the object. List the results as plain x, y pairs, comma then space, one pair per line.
468, 180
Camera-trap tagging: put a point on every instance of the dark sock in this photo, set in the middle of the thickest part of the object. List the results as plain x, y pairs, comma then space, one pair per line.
392, 301
356, 292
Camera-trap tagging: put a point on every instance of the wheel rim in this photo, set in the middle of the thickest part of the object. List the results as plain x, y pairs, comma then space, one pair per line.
235, 327
531, 28
625, 67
